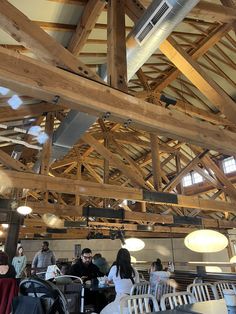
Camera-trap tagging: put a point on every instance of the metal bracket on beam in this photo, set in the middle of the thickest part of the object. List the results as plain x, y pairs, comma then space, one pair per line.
160, 197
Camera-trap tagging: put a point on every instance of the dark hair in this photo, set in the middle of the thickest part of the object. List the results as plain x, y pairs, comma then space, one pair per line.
157, 265
46, 243
86, 251
123, 265
97, 255
20, 247
3, 258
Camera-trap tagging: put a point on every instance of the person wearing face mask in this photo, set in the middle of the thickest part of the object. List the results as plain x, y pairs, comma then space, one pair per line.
43, 258
19, 262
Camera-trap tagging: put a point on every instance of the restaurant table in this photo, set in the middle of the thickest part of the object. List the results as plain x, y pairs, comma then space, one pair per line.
207, 307
97, 287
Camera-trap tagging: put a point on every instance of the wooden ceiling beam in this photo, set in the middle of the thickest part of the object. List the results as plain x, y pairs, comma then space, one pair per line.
22, 29
128, 171
87, 21
42, 183
213, 11
27, 111
185, 107
199, 78
33, 77
116, 46
205, 44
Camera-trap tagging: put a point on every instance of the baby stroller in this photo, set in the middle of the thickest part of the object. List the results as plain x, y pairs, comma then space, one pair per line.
39, 297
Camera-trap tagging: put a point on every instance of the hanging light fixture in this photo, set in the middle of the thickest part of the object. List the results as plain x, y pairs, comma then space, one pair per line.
133, 259
233, 259
205, 241
53, 221
133, 244
213, 269
5, 226
24, 210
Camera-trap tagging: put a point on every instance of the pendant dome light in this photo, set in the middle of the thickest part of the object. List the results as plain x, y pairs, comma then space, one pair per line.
24, 210
205, 241
133, 244
233, 259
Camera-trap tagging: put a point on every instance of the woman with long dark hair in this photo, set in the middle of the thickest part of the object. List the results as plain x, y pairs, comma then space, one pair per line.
157, 275
123, 275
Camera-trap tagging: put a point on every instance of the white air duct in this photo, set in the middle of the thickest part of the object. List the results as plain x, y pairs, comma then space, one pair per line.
156, 24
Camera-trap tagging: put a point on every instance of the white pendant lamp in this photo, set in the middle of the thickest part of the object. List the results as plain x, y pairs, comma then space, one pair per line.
53, 221
205, 241
133, 259
233, 259
133, 244
24, 210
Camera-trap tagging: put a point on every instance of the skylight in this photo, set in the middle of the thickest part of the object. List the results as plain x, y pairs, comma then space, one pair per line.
229, 165
192, 178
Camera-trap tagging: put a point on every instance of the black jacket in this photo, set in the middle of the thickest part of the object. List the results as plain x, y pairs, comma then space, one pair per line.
90, 271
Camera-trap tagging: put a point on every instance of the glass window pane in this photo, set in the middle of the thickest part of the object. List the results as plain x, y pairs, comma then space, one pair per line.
187, 180
229, 165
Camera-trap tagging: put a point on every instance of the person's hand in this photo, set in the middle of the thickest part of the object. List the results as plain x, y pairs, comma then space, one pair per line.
84, 278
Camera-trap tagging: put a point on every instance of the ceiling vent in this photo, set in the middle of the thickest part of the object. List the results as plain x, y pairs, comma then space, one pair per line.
153, 21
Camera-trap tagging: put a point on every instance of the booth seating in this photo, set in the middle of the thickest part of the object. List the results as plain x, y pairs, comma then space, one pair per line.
8, 290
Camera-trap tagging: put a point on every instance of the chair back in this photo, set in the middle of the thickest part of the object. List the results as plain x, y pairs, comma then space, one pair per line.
221, 285
140, 288
171, 300
8, 290
138, 304
203, 291
164, 287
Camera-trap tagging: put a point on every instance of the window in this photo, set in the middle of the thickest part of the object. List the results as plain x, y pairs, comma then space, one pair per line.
229, 164
187, 180
197, 177
192, 178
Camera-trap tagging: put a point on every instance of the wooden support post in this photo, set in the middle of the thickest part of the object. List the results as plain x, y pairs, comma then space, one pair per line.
156, 165
117, 65
106, 169
179, 187
12, 235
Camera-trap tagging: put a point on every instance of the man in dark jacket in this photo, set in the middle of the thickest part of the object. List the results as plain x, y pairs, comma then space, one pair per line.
86, 270
84, 267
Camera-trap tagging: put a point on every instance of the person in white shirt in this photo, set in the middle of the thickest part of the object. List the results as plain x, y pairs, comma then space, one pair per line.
123, 275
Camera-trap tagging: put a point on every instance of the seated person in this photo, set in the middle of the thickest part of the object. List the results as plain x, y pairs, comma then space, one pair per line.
6, 270
101, 263
123, 275
86, 270
157, 274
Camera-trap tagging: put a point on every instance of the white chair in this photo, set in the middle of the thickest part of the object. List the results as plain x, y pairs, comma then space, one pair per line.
164, 287
221, 285
203, 291
140, 288
138, 304
171, 300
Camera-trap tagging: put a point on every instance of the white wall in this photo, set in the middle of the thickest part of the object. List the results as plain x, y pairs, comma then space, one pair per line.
154, 248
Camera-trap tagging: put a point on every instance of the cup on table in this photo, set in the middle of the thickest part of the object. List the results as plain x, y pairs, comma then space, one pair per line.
102, 281
230, 297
